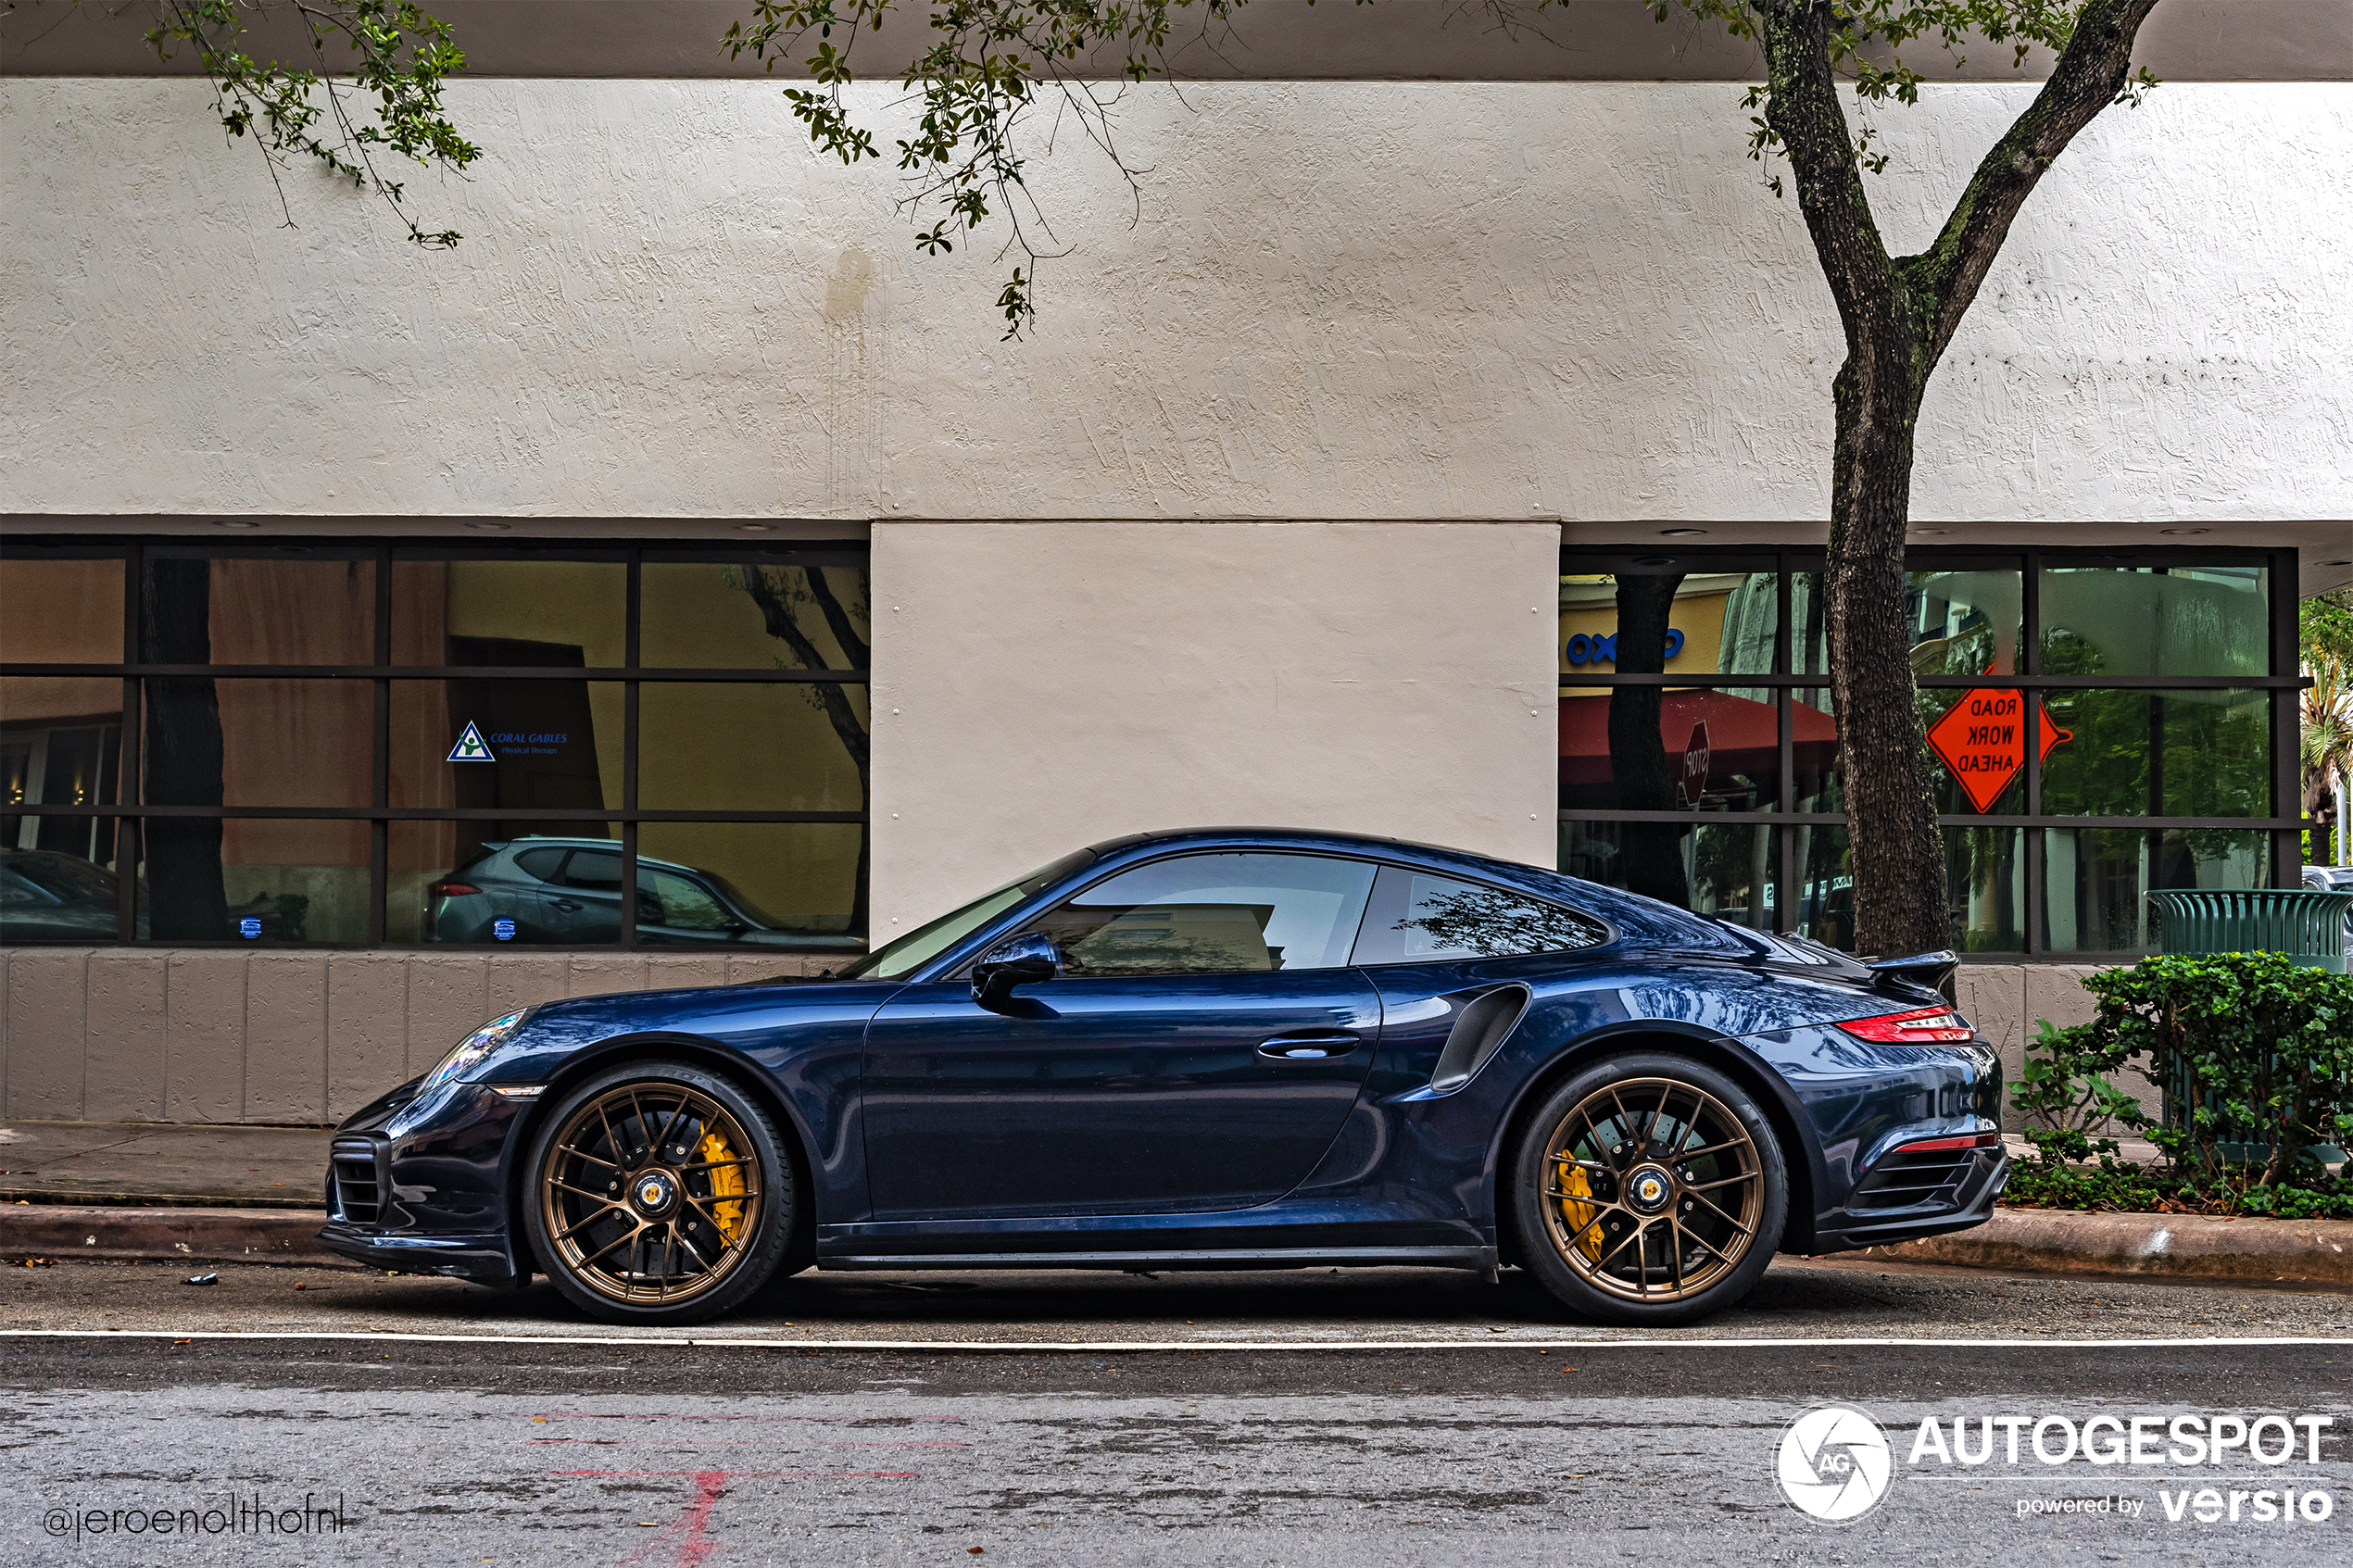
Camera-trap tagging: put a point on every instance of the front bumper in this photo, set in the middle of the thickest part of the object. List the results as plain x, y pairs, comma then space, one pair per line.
419, 1185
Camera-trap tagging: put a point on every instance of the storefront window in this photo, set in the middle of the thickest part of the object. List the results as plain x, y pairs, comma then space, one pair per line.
552, 798
2065, 695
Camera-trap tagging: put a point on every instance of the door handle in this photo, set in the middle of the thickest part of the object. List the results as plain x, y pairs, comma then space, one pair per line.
566, 905
1321, 1044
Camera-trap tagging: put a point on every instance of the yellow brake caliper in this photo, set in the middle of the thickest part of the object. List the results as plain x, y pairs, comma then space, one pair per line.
1576, 1184
726, 1181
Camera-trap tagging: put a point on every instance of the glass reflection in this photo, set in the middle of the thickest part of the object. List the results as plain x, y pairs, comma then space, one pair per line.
267, 742
751, 615
740, 748
59, 610
256, 880
522, 612
2160, 754
2156, 620
513, 745
280, 609
2097, 879
792, 885
61, 894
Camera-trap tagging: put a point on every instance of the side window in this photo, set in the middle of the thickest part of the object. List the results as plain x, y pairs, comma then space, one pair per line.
678, 903
1214, 914
1418, 917
541, 863
596, 871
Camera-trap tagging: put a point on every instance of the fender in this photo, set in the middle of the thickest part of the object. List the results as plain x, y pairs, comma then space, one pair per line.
735, 1065
1801, 1153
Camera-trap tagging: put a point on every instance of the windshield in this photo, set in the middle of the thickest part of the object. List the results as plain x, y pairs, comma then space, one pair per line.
902, 958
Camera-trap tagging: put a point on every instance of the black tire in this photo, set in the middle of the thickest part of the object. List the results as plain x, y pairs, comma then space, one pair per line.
678, 1223
1619, 1191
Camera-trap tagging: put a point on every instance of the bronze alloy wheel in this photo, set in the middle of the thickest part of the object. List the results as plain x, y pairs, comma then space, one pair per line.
1653, 1190
650, 1195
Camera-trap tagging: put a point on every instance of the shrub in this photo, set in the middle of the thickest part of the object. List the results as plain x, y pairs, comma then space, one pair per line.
2256, 1048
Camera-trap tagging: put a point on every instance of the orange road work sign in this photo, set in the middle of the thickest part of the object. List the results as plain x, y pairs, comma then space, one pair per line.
1982, 740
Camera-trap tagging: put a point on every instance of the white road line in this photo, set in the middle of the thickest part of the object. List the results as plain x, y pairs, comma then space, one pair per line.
1149, 1344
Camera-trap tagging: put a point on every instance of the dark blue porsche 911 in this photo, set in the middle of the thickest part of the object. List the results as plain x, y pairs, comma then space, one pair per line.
1243, 1048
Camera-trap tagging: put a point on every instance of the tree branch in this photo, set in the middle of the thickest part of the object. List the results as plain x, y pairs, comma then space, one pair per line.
1804, 115
2093, 71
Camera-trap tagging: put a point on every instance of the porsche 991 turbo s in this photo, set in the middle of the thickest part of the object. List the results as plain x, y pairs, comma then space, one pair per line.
1233, 1049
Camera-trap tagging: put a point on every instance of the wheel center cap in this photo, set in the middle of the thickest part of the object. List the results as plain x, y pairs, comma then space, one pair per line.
653, 1192
1649, 1189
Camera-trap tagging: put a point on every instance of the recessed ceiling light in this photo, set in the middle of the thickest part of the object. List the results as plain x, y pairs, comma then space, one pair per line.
233, 522
1939, 532
755, 527
491, 527
1682, 532
1656, 560
2182, 530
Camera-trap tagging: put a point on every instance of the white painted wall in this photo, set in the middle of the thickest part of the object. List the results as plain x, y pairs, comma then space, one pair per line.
1342, 300
1040, 687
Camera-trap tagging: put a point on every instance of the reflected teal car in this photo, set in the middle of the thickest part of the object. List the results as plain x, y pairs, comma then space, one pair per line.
568, 891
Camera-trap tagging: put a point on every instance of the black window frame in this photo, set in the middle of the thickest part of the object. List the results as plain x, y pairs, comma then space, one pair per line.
2285, 859
130, 815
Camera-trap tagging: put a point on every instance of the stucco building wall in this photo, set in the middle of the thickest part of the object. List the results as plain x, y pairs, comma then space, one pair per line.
1468, 300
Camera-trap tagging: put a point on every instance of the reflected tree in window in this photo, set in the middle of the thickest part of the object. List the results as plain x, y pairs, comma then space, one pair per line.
182, 755
798, 606
1650, 853
1487, 922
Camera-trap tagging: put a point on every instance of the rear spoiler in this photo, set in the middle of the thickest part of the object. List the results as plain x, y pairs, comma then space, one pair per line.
1928, 970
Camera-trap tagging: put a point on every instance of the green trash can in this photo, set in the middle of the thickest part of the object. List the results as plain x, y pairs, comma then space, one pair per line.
2307, 925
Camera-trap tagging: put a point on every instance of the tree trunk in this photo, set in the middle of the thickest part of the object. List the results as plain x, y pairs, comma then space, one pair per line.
1898, 857
182, 752
1650, 854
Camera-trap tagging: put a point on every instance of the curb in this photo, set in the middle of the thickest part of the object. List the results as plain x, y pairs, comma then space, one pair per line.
2255, 1252
220, 1236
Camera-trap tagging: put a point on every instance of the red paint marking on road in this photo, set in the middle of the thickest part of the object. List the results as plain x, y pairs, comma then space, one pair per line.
686, 1541
745, 1474
599, 1415
689, 1442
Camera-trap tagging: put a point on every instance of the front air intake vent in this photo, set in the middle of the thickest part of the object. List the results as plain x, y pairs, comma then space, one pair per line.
1479, 1030
358, 1182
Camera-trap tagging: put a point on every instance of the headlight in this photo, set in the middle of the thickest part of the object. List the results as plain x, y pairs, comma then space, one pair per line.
470, 1049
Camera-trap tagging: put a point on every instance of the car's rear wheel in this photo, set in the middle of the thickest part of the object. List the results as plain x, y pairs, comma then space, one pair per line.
1650, 1189
660, 1192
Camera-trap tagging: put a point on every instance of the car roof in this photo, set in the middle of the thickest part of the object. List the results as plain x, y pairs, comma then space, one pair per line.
1643, 920
533, 841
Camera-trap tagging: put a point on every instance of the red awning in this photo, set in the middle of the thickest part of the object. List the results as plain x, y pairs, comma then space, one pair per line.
1740, 734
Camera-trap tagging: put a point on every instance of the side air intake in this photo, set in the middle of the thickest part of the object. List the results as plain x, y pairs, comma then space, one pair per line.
1478, 1030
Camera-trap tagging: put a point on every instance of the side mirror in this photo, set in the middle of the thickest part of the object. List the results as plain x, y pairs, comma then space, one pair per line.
1028, 960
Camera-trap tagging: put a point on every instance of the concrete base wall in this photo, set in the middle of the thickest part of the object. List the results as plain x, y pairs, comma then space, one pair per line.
106, 1035
2006, 1000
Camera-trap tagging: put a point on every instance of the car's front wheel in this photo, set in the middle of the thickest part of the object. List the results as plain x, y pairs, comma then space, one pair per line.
1650, 1189
660, 1192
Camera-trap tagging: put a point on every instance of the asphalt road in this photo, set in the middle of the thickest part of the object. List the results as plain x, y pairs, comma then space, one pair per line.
1272, 1429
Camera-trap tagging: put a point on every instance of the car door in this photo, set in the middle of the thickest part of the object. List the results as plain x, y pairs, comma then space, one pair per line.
584, 905
1200, 1051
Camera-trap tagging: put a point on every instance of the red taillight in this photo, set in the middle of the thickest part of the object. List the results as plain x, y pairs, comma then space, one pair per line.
1973, 1140
452, 889
1921, 1026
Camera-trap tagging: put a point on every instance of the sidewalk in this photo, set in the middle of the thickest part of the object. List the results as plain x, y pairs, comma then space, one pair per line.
145, 1164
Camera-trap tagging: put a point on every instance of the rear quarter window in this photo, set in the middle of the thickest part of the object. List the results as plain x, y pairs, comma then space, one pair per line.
1421, 917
